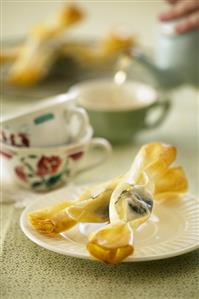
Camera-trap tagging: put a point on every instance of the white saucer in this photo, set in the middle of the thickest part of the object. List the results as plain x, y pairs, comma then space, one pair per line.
172, 229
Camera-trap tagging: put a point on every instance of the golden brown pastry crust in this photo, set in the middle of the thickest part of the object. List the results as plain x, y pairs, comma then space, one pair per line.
151, 170
41, 48
45, 44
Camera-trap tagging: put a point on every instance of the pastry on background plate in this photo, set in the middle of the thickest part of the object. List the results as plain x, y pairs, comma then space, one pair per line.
40, 48
32, 61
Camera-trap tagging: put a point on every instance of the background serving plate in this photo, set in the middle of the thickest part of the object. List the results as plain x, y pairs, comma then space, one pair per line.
64, 73
172, 229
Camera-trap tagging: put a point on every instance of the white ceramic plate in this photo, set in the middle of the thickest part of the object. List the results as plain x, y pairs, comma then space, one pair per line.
172, 229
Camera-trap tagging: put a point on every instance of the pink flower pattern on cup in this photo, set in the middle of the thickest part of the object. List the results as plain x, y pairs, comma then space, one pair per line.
20, 139
44, 172
6, 155
76, 156
48, 165
20, 172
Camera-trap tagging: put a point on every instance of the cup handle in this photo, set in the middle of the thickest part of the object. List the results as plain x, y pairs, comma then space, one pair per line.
82, 117
165, 107
103, 145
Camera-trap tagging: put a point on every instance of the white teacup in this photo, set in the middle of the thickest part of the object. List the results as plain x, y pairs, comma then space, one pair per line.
44, 169
55, 121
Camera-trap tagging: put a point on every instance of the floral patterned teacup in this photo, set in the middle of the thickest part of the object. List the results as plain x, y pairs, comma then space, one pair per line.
43, 169
55, 121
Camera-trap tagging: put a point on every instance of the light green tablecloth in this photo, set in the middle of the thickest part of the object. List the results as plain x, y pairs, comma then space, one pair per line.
32, 272
29, 271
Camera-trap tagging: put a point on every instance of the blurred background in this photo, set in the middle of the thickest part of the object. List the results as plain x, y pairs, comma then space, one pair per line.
138, 16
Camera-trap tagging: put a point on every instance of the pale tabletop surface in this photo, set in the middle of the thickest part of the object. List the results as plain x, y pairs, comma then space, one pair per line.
29, 271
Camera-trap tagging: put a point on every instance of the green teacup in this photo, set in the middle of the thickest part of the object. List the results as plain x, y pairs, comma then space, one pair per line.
119, 112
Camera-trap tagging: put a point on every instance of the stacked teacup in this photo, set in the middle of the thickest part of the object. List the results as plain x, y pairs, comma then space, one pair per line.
44, 147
